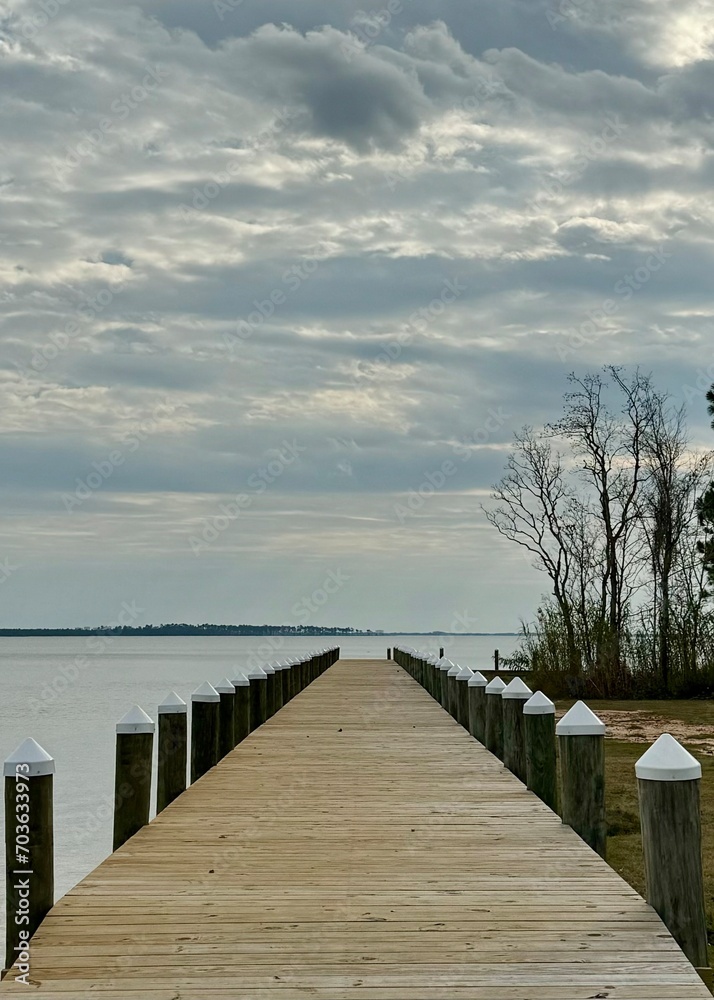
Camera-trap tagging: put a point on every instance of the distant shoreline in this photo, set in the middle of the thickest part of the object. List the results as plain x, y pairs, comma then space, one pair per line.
231, 631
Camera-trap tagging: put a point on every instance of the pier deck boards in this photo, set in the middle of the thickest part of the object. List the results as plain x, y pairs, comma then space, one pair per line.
359, 846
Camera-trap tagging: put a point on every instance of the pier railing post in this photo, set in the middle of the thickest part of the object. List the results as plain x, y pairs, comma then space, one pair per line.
29, 850
477, 706
444, 666
241, 724
514, 696
277, 667
389, 654
581, 739
452, 694
434, 677
173, 741
285, 670
269, 671
205, 725
462, 696
132, 775
494, 717
668, 780
258, 697
441, 652
541, 756
226, 717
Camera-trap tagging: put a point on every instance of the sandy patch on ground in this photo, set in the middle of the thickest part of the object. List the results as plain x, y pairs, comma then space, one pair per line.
643, 727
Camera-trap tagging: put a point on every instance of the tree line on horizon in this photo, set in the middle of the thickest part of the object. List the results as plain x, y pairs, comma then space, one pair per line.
616, 507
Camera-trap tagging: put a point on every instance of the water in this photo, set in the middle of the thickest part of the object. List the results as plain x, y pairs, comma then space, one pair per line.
68, 693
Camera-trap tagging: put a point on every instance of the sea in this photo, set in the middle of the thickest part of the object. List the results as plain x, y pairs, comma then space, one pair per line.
69, 692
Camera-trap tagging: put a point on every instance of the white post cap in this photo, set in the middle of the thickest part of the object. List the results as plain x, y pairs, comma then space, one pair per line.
257, 673
441, 661
667, 760
539, 704
240, 681
465, 674
31, 753
268, 669
496, 686
206, 692
445, 664
454, 671
135, 721
517, 689
477, 680
580, 721
225, 687
172, 705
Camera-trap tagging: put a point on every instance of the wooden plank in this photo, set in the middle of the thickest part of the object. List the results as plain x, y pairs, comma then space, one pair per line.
358, 846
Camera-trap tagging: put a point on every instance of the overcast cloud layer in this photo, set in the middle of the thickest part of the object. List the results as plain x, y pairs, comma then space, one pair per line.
267, 266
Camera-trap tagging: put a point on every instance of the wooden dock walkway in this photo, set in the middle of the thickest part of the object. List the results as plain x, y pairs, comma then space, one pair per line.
358, 846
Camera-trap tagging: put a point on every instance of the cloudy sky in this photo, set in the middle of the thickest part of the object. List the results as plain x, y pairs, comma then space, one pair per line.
280, 278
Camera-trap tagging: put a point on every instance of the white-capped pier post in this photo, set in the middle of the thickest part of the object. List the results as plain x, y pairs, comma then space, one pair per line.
226, 717
242, 719
462, 696
29, 849
477, 706
451, 692
258, 697
581, 739
541, 756
668, 781
269, 671
132, 776
514, 696
173, 742
494, 717
205, 716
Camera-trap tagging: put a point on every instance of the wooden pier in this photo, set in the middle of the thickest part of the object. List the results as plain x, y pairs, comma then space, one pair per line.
360, 845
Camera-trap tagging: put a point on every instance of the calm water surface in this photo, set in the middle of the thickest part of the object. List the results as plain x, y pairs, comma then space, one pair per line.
68, 696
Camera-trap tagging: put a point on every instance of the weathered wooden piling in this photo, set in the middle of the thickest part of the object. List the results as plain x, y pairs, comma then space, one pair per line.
389, 654
258, 697
270, 704
226, 717
29, 850
173, 742
444, 668
205, 727
541, 756
496, 661
285, 671
514, 696
477, 706
278, 668
132, 774
581, 739
494, 717
668, 780
462, 696
241, 724
451, 692
441, 652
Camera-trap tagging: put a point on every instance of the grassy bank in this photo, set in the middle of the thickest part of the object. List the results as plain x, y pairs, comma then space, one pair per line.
636, 724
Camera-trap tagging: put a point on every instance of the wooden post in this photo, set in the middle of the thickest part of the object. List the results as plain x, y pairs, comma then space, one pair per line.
441, 652
581, 739
452, 694
668, 780
269, 670
434, 677
389, 654
258, 697
477, 706
462, 696
285, 672
205, 715
29, 850
241, 724
444, 666
226, 717
132, 774
541, 757
514, 696
496, 661
494, 717
173, 740
278, 668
